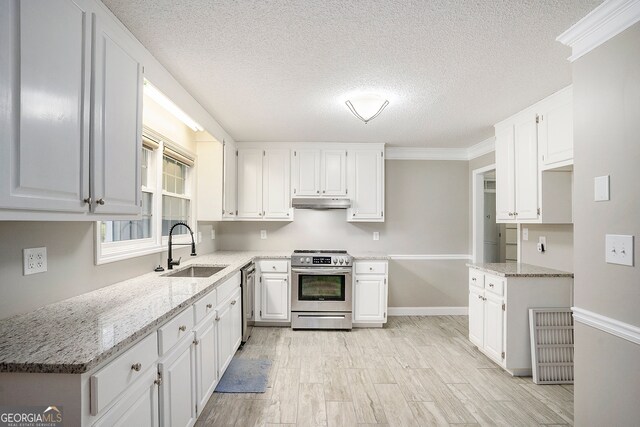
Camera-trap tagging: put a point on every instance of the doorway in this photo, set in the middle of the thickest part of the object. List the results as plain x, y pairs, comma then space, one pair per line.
489, 239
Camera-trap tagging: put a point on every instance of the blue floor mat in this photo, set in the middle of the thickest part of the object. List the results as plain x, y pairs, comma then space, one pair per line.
245, 376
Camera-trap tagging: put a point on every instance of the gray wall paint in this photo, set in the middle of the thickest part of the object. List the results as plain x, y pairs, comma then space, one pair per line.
426, 212
606, 87
559, 249
477, 163
70, 259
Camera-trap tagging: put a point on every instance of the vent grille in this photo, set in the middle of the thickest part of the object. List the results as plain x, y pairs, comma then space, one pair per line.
551, 345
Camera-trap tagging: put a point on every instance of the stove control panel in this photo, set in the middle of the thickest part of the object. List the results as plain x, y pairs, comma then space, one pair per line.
327, 261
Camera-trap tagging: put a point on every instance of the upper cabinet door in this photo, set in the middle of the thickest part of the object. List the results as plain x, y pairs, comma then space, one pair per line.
366, 181
555, 131
117, 125
306, 173
250, 183
230, 166
44, 105
334, 172
276, 178
505, 174
526, 167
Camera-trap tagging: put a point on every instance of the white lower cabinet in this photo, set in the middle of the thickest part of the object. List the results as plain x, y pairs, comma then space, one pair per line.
137, 407
178, 388
229, 336
206, 360
370, 292
272, 291
498, 314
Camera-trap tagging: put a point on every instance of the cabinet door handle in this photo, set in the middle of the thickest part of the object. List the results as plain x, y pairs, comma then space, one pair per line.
323, 191
209, 306
480, 296
217, 318
510, 213
182, 328
196, 342
473, 279
100, 202
88, 201
136, 367
234, 302
491, 285
158, 381
318, 191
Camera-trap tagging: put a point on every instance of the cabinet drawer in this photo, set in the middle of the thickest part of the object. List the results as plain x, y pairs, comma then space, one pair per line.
476, 278
225, 290
274, 266
369, 267
205, 306
494, 284
110, 381
174, 330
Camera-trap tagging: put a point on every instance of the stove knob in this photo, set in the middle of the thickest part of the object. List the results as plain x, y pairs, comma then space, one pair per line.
341, 260
335, 260
308, 260
346, 261
301, 259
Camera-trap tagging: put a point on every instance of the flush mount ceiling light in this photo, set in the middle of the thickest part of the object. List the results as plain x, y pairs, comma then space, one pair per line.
161, 99
367, 107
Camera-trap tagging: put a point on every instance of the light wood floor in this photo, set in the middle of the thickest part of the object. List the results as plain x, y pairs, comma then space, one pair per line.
417, 371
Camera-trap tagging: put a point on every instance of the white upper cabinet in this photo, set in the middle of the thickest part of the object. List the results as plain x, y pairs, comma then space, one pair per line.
264, 184
334, 173
276, 181
366, 185
250, 183
319, 172
117, 125
45, 105
534, 153
306, 172
70, 90
555, 130
230, 174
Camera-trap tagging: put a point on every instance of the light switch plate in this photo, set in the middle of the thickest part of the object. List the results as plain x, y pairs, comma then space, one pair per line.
619, 249
601, 188
525, 234
376, 235
263, 234
35, 260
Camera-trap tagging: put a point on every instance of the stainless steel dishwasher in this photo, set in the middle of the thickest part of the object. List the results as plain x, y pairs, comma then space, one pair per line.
248, 300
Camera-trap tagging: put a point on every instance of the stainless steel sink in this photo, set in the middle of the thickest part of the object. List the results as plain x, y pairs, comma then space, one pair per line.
197, 271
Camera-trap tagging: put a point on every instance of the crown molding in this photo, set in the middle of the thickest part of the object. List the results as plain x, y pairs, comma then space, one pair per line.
421, 153
603, 23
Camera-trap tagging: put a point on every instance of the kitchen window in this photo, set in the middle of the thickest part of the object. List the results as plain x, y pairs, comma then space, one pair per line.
167, 189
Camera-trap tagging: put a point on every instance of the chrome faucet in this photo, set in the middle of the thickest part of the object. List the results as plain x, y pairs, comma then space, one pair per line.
170, 261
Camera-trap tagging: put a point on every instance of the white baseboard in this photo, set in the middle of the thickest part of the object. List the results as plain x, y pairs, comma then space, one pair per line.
428, 311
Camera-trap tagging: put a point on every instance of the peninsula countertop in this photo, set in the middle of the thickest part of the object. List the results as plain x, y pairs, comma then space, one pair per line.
513, 269
75, 335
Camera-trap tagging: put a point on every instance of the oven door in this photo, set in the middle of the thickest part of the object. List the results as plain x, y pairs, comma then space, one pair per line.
321, 289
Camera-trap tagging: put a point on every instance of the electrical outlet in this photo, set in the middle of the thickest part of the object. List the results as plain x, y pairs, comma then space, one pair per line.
263, 234
213, 234
35, 260
525, 234
376, 235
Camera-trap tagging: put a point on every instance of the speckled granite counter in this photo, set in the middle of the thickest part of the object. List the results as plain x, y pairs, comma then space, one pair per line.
512, 269
77, 334
373, 256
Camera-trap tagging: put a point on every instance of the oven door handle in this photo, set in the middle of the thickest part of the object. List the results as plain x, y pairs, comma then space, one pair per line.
322, 271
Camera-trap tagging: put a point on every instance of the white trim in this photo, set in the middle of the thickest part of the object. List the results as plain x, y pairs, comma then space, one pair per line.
607, 324
428, 311
480, 149
603, 23
477, 211
432, 257
422, 153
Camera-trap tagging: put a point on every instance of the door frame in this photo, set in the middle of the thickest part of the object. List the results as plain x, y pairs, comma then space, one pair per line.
477, 212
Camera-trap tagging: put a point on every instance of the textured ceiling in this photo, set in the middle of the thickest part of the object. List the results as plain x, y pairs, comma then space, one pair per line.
280, 70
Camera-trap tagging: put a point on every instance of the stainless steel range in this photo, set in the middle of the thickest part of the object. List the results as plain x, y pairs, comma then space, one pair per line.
321, 290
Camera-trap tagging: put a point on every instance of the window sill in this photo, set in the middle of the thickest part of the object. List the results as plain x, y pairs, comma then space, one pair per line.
121, 254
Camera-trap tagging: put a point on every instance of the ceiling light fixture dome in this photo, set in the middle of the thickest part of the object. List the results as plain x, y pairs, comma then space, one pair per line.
367, 107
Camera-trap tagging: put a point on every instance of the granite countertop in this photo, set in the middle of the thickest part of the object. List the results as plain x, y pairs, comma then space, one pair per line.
77, 334
512, 269
369, 255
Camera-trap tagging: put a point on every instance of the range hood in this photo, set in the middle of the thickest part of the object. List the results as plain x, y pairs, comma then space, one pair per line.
320, 203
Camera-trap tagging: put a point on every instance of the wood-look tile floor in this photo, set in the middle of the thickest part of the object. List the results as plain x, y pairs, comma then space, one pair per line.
416, 371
